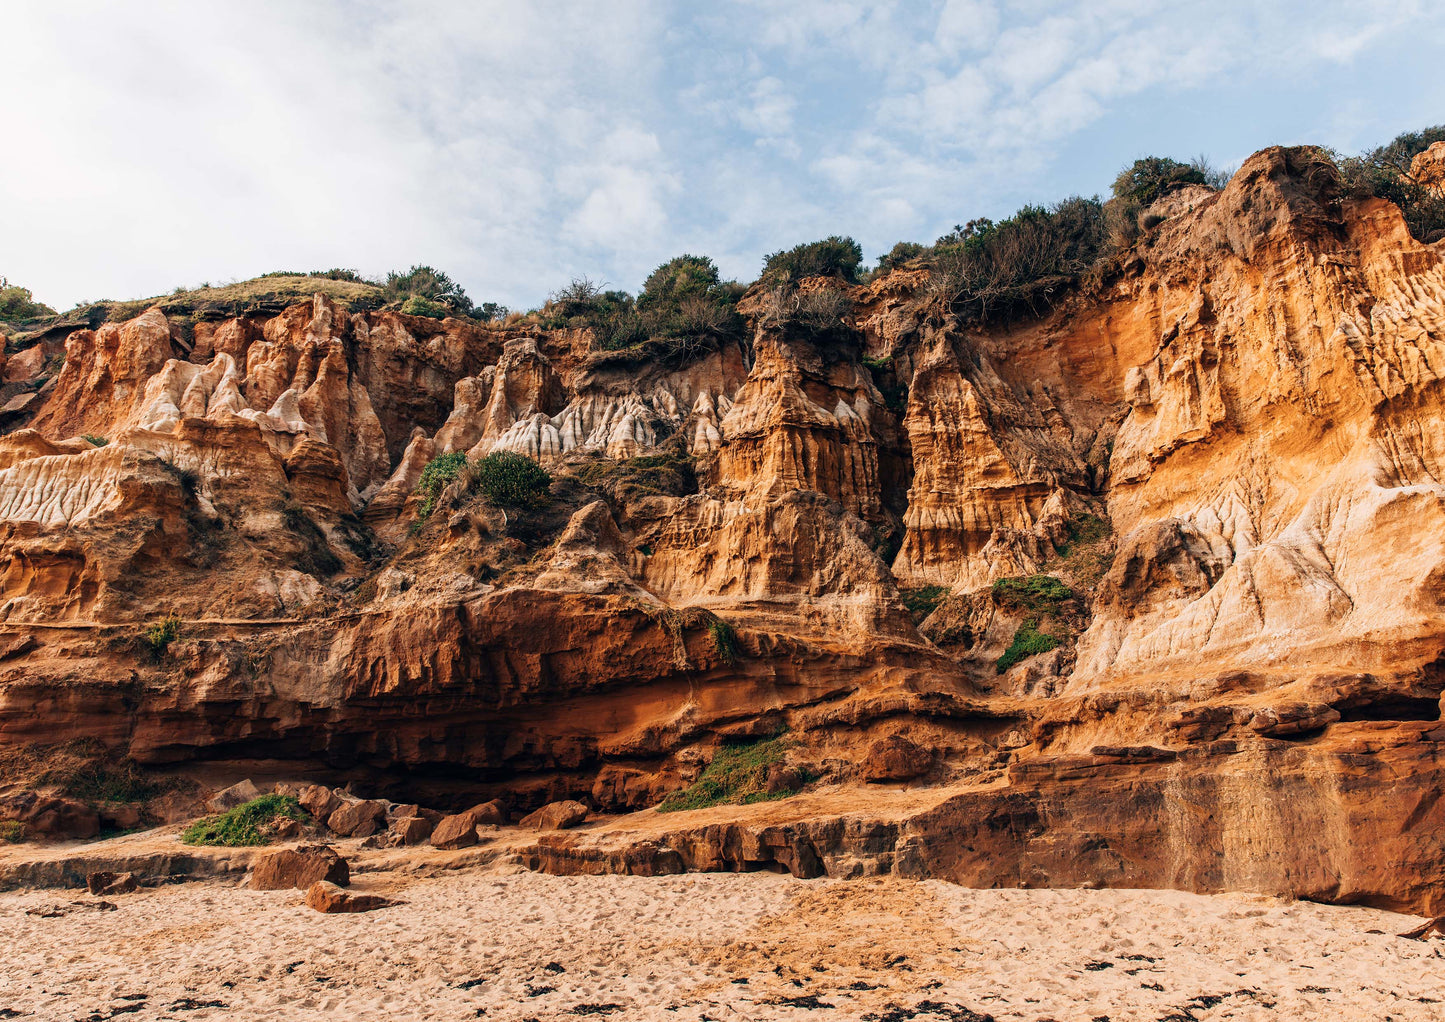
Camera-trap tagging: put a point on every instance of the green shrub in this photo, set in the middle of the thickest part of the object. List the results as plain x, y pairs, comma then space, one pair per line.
922, 601
1027, 641
737, 775
93, 440
899, 254
431, 287
242, 825
835, 256
439, 472
160, 635
724, 640
1385, 172
1147, 179
18, 305
1033, 592
683, 310
12, 831
511, 480
415, 305
1023, 264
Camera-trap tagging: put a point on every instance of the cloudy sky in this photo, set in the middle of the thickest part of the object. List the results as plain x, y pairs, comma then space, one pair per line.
518, 144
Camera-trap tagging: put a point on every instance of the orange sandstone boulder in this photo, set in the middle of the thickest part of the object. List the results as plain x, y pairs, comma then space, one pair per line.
327, 898
555, 816
299, 868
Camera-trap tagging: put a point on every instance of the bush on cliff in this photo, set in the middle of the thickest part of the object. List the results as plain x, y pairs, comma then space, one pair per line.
1387, 172
246, 824
1027, 641
439, 472
18, 305
510, 480
1149, 178
737, 775
684, 309
835, 256
159, 636
1022, 264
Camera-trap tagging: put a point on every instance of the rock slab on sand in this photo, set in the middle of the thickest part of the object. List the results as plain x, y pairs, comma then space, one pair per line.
106, 882
300, 868
459, 831
556, 816
329, 899
358, 819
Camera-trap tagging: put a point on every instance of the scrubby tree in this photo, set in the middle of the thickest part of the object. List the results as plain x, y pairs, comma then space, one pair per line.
18, 305
1388, 172
1151, 177
428, 292
834, 256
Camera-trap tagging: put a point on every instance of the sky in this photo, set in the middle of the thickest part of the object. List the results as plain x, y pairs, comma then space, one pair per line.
516, 145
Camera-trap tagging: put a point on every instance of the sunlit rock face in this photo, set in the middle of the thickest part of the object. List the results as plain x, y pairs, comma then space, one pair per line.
1227, 451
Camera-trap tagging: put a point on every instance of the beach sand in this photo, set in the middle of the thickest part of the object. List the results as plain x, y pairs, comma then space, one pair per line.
507, 946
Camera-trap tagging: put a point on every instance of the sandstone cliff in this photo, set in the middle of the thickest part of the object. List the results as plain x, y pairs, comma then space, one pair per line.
1225, 455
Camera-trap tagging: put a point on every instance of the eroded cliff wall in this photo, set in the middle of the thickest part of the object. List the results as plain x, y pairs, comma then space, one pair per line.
1227, 453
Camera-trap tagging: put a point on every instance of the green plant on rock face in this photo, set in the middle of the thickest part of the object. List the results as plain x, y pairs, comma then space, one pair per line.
922, 601
434, 478
12, 831
1027, 641
724, 640
93, 440
160, 635
511, 480
242, 825
1033, 592
737, 775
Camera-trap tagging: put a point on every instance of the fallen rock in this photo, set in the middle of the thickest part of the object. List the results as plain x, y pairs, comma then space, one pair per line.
782, 777
319, 800
412, 830
896, 759
286, 828
299, 868
555, 816
494, 811
358, 819
326, 897
459, 831
106, 882
237, 794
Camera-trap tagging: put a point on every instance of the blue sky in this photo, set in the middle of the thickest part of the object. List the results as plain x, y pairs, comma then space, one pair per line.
516, 145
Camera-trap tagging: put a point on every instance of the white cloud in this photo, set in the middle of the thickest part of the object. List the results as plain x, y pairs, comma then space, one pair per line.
514, 145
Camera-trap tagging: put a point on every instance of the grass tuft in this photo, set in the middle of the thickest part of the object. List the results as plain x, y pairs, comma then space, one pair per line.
12, 831
737, 775
160, 635
724, 640
242, 824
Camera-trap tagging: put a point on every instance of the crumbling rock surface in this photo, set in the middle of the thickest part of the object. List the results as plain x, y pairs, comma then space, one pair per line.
1225, 451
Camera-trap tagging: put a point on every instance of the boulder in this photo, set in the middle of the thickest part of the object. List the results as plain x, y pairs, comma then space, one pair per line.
237, 794
361, 818
896, 759
555, 816
48, 817
326, 897
319, 800
459, 831
412, 830
402, 810
299, 867
106, 882
494, 812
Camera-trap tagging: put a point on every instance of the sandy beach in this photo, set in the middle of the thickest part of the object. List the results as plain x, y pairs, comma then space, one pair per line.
510, 946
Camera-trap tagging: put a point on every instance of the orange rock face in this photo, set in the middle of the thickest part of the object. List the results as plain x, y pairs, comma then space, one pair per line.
1225, 455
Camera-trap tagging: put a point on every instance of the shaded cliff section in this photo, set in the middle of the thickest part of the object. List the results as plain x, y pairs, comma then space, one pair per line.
1150, 567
